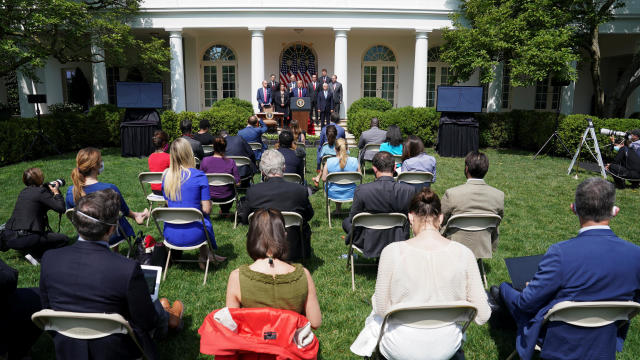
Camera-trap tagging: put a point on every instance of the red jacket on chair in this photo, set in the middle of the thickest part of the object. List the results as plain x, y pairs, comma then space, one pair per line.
261, 334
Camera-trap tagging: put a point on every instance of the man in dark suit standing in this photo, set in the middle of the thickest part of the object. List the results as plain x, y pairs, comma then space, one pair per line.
384, 195
312, 89
275, 193
299, 91
596, 265
336, 90
264, 96
274, 84
237, 146
325, 79
325, 105
88, 277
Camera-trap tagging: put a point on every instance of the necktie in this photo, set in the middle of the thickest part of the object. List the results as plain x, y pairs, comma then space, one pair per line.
325, 94
334, 86
265, 94
314, 86
299, 92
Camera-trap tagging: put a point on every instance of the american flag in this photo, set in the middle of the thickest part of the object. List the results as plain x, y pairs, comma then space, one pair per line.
298, 61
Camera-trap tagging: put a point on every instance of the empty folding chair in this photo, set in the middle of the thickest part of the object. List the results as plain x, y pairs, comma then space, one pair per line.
415, 178
255, 146
208, 150
368, 147
242, 161
151, 178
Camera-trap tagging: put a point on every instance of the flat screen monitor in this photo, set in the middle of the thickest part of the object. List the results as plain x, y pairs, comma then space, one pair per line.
139, 95
459, 99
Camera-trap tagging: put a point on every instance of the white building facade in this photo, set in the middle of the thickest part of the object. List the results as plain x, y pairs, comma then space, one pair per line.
376, 48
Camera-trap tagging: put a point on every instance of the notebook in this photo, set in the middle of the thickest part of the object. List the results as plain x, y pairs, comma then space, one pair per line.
152, 277
521, 269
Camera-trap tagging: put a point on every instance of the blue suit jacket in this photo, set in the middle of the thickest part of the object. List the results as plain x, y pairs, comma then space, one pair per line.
254, 134
323, 136
237, 146
260, 97
294, 93
596, 265
324, 104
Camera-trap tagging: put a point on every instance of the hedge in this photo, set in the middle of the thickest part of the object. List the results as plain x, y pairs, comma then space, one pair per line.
521, 129
69, 131
371, 103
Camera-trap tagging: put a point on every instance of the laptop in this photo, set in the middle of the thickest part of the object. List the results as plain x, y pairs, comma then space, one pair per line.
522, 269
152, 276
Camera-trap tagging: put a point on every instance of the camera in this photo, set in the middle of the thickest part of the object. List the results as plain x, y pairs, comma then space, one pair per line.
60, 182
609, 132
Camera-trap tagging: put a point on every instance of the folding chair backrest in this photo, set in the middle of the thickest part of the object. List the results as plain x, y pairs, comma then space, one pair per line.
592, 313
219, 179
69, 214
255, 146
432, 316
207, 148
150, 177
473, 222
301, 144
292, 219
197, 161
325, 158
177, 215
240, 160
382, 221
371, 147
344, 178
292, 177
415, 177
397, 159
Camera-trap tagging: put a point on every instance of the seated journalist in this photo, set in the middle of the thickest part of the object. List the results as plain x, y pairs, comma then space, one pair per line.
186, 127
87, 277
596, 265
27, 230
384, 195
626, 164
271, 281
275, 193
237, 146
292, 161
253, 133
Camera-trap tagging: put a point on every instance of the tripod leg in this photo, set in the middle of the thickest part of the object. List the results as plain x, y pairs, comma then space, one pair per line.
543, 146
48, 141
575, 157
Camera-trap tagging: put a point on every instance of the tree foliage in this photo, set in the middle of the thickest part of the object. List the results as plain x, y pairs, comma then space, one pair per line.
535, 39
33, 30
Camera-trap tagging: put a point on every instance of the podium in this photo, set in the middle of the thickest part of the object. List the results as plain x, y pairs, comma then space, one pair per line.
300, 108
270, 117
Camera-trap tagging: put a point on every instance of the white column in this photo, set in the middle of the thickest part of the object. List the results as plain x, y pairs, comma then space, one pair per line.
340, 65
257, 62
25, 87
178, 99
567, 96
99, 70
494, 98
420, 69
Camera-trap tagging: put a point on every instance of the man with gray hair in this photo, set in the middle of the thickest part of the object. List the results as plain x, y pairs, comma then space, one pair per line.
596, 265
275, 193
374, 135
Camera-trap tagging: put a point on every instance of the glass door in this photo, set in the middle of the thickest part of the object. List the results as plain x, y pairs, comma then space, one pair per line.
379, 80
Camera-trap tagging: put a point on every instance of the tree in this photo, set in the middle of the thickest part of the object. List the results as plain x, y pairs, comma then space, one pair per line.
536, 39
31, 31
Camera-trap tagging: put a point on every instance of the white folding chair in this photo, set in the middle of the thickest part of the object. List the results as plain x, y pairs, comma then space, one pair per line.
415, 177
304, 159
84, 326
590, 314
151, 178
240, 162
428, 316
323, 162
476, 223
397, 159
291, 219
197, 162
219, 179
381, 221
340, 178
119, 229
208, 149
255, 146
368, 147
292, 177
182, 216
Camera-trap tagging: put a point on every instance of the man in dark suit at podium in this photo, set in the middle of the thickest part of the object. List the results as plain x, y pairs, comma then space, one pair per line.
325, 105
336, 90
312, 89
299, 91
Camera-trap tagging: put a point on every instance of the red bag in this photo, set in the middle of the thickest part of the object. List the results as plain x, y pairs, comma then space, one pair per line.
262, 334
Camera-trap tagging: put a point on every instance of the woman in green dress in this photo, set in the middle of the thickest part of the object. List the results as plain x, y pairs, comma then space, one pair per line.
271, 281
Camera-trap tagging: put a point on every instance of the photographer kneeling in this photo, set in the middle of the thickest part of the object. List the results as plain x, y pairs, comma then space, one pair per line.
626, 164
28, 228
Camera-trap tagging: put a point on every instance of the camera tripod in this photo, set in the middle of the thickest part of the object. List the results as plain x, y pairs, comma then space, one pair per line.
589, 131
39, 136
554, 137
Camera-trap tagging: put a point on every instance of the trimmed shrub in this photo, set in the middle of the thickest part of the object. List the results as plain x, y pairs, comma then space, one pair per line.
573, 126
111, 116
227, 117
369, 103
171, 122
360, 121
65, 108
496, 130
422, 122
235, 102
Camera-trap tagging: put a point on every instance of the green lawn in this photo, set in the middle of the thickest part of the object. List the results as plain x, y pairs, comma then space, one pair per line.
538, 194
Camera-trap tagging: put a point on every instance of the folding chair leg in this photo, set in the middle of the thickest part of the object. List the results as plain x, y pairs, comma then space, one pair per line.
329, 213
353, 275
484, 274
150, 208
166, 266
206, 270
130, 246
235, 219
513, 355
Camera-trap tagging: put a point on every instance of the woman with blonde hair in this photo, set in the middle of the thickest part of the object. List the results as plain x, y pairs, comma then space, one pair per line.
89, 165
341, 163
184, 186
426, 269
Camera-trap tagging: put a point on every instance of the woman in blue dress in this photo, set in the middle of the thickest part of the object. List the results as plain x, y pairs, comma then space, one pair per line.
89, 165
327, 149
184, 186
341, 163
393, 142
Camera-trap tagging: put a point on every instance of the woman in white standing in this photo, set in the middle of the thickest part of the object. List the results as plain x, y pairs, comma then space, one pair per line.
426, 269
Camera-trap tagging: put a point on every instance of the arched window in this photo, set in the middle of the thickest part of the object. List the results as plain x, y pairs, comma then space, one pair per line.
298, 60
219, 66
379, 69
438, 73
